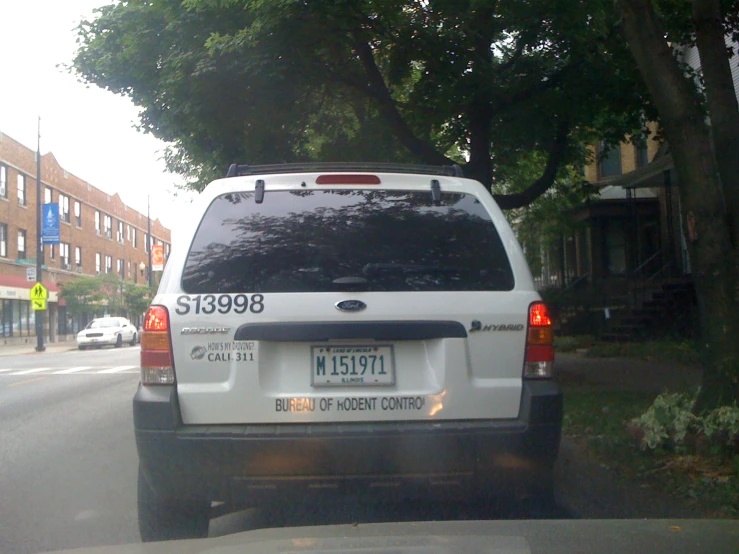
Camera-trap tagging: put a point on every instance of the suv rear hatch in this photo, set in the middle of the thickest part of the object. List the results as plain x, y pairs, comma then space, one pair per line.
326, 304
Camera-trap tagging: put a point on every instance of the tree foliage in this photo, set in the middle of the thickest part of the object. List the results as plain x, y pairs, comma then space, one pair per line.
83, 295
476, 82
136, 298
105, 293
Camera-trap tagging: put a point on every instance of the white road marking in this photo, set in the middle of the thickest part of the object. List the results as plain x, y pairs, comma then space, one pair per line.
29, 371
82, 370
117, 369
72, 370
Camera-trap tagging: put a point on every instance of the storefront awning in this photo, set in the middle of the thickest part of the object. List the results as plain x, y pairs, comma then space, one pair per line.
17, 288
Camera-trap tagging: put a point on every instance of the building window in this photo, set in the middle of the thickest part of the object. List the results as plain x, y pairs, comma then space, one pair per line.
108, 264
78, 256
47, 195
129, 268
108, 226
128, 232
78, 213
64, 255
21, 189
609, 161
134, 241
642, 154
4, 240
21, 243
121, 271
64, 207
147, 243
120, 232
52, 255
97, 222
97, 262
3, 181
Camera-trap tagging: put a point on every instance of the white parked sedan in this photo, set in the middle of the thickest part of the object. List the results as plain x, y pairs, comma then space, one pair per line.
107, 331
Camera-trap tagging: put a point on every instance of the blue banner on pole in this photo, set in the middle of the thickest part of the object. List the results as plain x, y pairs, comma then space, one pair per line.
50, 224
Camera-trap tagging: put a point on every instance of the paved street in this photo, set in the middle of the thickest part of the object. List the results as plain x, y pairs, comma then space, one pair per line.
68, 459
67, 454
68, 465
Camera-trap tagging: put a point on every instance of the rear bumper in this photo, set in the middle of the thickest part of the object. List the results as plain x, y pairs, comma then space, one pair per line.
247, 463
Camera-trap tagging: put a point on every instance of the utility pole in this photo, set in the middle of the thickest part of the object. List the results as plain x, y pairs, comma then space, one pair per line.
148, 230
39, 243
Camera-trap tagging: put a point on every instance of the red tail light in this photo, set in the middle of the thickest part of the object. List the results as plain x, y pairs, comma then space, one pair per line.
539, 362
539, 315
156, 319
339, 179
157, 367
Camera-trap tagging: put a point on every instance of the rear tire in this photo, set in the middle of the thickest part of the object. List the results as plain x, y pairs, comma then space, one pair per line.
133, 340
163, 520
119, 341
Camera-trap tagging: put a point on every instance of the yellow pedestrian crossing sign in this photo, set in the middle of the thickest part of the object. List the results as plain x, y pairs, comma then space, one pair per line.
38, 304
39, 292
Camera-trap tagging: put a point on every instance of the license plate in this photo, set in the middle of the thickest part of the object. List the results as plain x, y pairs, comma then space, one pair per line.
352, 365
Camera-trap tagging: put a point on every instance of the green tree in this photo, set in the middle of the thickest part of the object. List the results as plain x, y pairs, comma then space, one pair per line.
539, 225
705, 154
111, 293
136, 299
480, 83
83, 295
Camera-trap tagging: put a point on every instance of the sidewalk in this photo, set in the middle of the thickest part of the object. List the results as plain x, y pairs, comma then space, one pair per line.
51, 348
624, 373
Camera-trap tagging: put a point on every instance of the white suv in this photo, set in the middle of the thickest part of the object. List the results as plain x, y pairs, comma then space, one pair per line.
342, 328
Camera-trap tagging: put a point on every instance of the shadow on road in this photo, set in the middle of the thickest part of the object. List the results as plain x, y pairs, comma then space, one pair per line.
348, 512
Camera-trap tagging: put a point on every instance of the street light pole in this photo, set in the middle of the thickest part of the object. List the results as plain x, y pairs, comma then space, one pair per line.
39, 243
148, 230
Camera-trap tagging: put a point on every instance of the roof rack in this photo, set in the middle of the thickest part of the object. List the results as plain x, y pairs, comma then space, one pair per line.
237, 170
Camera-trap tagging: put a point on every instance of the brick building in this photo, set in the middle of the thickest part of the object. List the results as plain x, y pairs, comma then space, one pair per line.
98, 233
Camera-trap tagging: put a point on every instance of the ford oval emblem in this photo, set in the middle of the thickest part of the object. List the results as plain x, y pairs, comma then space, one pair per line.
351, 305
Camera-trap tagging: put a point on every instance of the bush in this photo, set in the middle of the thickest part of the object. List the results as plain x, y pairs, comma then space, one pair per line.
670, 424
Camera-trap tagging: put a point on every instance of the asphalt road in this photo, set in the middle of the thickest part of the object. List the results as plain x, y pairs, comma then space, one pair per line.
68, 465
67, 453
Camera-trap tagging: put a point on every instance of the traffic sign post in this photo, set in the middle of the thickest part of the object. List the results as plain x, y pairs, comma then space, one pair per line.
39, 245
30, 274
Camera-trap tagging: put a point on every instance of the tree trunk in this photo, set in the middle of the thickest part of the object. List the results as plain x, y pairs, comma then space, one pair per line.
722, 102
704, 211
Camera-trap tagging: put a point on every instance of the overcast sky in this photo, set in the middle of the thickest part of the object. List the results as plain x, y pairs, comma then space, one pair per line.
90, 131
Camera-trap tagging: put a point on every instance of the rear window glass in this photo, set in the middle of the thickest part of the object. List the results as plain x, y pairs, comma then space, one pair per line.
328, 240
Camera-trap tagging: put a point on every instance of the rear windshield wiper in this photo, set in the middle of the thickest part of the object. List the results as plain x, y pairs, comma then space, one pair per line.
407, 269
351, 283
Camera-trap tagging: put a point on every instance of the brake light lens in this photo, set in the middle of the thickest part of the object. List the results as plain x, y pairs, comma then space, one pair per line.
539, 361
342, 179
157, 319
539, 315
157, 367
